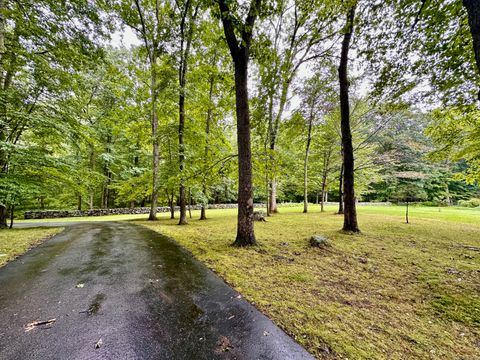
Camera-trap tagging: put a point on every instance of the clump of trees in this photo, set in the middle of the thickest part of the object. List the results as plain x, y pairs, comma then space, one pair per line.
262, 101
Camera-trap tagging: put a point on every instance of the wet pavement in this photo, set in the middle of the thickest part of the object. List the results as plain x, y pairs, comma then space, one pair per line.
120, 291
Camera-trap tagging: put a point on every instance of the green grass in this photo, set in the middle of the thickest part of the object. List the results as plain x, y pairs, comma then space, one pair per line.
395, 291
15, 242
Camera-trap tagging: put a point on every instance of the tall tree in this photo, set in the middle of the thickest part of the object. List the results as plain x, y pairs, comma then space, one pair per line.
150, 22
240, 52
350, 212
188, 14
473, 10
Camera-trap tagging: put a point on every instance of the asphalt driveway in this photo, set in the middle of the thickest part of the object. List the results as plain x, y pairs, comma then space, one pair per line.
116, 290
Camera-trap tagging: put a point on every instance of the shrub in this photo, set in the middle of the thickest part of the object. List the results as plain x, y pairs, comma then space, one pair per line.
474, 202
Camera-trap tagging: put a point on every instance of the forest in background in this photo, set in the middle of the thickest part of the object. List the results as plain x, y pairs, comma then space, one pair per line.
86, 123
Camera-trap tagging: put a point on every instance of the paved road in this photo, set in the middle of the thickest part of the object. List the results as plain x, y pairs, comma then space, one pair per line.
142, 295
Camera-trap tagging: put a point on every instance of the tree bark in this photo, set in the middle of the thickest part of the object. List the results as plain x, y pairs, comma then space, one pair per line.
245, 231
185, 41
473, 10
155, 145
406, 213
203, 211
240, 56
340, 192
3, 216
350, 211
12, 208
305, 162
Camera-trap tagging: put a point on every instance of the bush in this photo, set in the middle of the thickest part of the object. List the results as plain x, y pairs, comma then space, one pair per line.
474, 202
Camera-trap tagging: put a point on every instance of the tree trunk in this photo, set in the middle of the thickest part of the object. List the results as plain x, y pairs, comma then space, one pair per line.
190, 202
245, 231
406, 213
350, 212
185, 41
447, 192
326, 163
473, 10
240, 56
340, 191
155, 145
79, 205
3, 216
12, 208
305, 162
203, 211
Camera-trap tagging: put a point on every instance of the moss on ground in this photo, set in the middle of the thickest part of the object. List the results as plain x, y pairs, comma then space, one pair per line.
395, 291
15, 242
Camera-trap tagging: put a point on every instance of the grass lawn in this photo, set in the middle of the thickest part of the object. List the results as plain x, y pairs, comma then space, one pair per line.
14, 242
395, 291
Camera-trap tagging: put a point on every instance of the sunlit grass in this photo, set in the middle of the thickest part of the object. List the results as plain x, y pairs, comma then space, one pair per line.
395, 291
14, 242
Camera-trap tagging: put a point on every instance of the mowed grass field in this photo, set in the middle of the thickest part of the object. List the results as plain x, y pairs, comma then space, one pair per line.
395, 291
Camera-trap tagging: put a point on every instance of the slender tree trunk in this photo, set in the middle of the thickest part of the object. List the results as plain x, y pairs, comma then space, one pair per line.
79, 197
322, 204
406, 213
203, 211
473, 10
12, 208
185, 41
340, 192
181, 128
447, 192
350, 211
155, 144
326, 163
172, 206
305, 162
190, 202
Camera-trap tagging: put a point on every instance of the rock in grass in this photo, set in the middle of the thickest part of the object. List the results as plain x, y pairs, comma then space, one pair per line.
259, 216
319, 241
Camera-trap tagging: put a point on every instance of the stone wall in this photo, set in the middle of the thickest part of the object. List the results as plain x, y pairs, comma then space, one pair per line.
52, 214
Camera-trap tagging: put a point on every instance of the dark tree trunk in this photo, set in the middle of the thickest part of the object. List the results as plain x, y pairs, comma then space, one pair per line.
406, 213
79, 203
350, 211
12, 208
473, 10
245, 232
240, 56
3, 216
185, 41
340, 192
